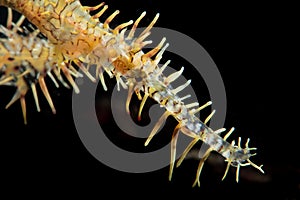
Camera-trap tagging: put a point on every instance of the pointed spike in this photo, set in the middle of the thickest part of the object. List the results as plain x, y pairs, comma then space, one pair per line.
247, 143
16, 96
174, 76
100, 12
83, 68
201, 108
156, 49
150, 25
129, 96
102, 81
209, 116
60, 78
219, 131
27, 71
53, 79
160, 53
143, 44
6, 80
159, 123
93, 7
110, 18
122, 26
200, 166
257, 167
74, 72
35, 96
9, 18
237, 173
23, 105
226, 171
260, 169
69, 77
252, 148
180, 88
18, 24
186, 151
173, 149
185, 97
142, 106
133, 29
46, 93
239, 142
140, 39
107, 70
228, 134
163, 67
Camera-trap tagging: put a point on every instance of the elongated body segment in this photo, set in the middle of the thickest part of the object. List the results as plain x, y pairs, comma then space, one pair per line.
77, 39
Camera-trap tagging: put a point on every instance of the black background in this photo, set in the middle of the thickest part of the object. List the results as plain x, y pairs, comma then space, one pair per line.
254, 48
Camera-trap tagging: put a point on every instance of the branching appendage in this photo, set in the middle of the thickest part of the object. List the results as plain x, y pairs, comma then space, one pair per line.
240, 157
234, 154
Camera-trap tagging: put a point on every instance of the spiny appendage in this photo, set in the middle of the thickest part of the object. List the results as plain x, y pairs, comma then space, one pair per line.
26, 60
118, 63
61, 64
122, 52
235, 155
240, 157
132, 63
185, 114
